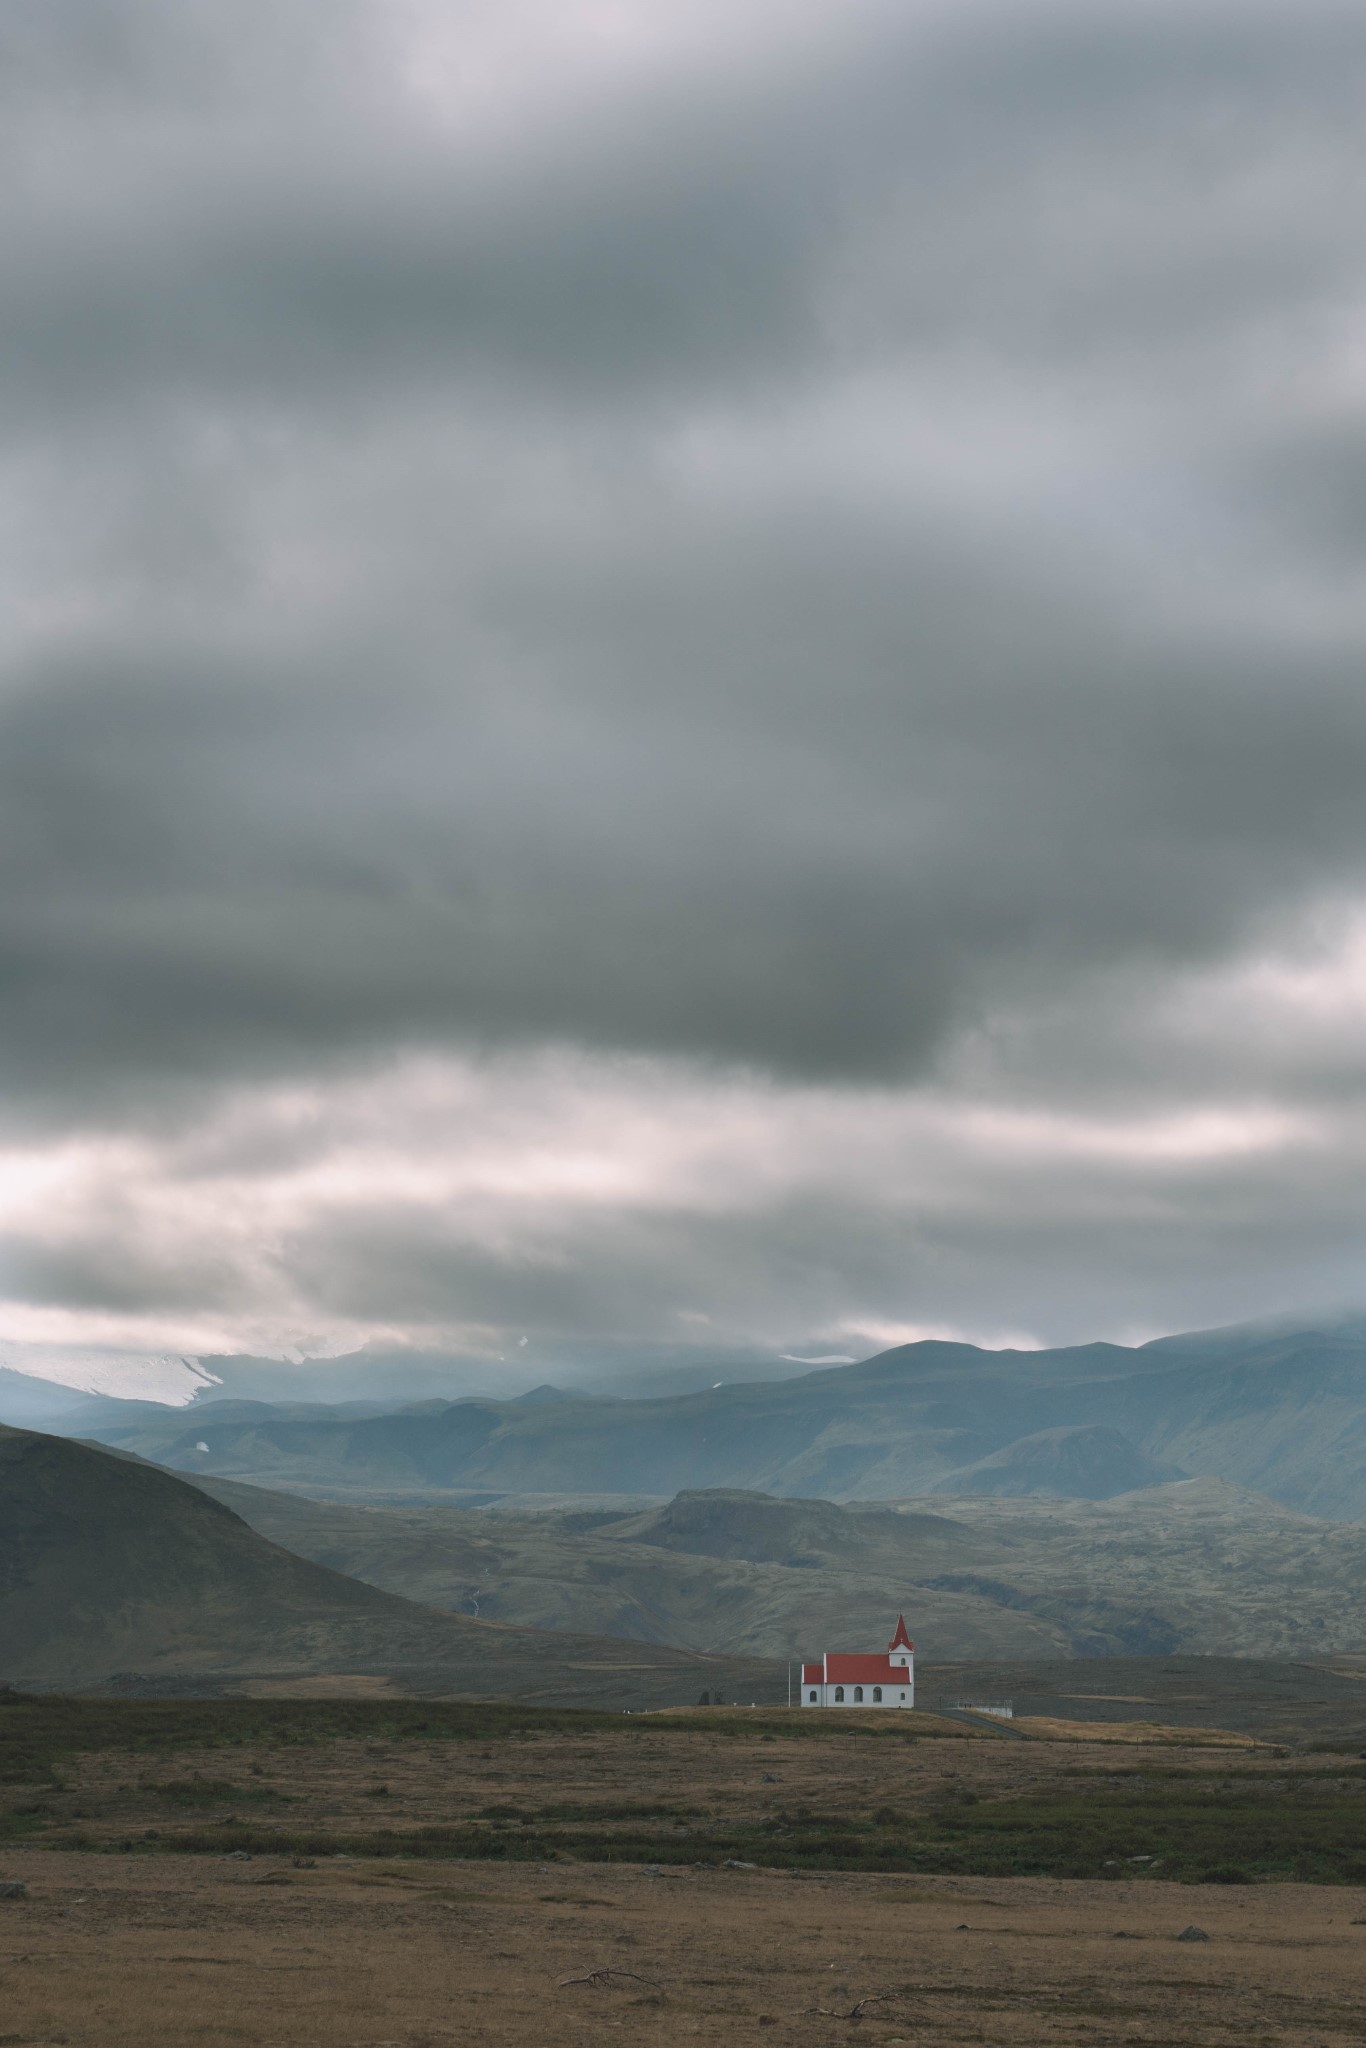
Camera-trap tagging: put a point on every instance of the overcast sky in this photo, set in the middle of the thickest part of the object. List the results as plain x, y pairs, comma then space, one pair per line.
685, 670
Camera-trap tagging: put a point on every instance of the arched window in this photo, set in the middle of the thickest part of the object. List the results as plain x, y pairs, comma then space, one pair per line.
839, 1695
813, 1698
858, 1695
903, 1695
877, 1695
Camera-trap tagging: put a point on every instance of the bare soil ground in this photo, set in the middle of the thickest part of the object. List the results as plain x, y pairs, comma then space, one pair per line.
143, 1952
219, 1897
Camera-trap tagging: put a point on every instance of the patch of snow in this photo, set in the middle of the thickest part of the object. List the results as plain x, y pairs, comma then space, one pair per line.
125, 1375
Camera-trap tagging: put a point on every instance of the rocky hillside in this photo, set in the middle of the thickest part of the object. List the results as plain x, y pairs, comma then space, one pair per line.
1194, 1566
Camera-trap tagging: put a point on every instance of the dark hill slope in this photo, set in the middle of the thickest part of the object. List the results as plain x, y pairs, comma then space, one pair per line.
1285, 1416
111, 1567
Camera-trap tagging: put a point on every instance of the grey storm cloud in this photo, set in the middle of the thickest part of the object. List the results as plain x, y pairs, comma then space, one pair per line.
817, 542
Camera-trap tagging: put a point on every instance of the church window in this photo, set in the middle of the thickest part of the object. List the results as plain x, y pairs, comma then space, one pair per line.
877, 1695
858, 1694
813, 1698
839, 1695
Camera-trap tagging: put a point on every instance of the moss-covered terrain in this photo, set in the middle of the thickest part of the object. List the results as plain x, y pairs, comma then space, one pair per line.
315, 1779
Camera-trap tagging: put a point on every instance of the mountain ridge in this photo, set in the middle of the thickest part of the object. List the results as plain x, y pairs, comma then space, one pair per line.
1284, 1415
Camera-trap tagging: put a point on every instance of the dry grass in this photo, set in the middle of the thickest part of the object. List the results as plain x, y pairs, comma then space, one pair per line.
678, 1774
129, 1952
140, 1949
1139, 1734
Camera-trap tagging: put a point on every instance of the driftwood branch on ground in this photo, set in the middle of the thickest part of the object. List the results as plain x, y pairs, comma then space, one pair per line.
855, 2012
609, 1980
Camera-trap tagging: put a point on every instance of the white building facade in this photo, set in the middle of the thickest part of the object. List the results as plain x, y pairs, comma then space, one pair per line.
841, 1680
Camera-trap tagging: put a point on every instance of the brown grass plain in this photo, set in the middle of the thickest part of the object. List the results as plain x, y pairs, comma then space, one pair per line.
157, 1952
118, 1947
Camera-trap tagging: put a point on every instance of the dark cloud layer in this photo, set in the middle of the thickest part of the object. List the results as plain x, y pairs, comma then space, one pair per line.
808, 542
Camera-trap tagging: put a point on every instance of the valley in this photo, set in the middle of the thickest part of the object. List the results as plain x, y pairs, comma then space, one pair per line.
1194, 1565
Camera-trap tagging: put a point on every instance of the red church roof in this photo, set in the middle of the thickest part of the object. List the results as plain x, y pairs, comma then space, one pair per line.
865, 1671
855, 1670
838, 1669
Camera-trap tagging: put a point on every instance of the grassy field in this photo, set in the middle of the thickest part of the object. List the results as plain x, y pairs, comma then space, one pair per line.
36, 1732
406, 1874
778, 1790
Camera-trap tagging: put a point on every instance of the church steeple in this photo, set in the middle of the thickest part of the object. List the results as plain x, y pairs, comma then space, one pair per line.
901, 1649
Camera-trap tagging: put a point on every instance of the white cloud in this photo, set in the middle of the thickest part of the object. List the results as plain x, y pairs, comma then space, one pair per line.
441, 1199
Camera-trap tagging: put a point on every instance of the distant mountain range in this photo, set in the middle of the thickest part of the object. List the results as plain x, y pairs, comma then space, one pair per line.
40, 1383
1283, 1414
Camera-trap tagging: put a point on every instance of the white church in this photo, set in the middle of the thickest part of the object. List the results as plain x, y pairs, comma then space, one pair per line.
855, 1681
